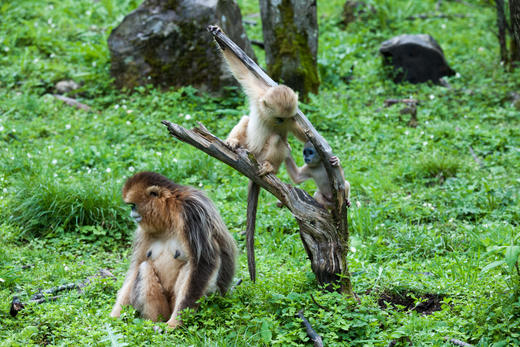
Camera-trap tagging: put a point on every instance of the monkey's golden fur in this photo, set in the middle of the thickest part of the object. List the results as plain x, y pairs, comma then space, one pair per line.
182, 250
272, 110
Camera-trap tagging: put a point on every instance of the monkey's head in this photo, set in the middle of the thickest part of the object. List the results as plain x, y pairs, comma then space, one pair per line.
148, 194
279, 104
310, 156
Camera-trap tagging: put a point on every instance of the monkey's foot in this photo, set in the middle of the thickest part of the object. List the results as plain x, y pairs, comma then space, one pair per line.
173, 323
334, 161
116, 312
214, 29
266, 168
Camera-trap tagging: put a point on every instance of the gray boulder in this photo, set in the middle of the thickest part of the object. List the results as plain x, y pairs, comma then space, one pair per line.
165, 43
416, 58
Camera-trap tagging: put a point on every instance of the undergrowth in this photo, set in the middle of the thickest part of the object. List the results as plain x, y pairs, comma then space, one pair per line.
435, 209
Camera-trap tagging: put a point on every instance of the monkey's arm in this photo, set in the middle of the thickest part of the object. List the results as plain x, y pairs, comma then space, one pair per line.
298, 175
237, 136
253, 87
123, 295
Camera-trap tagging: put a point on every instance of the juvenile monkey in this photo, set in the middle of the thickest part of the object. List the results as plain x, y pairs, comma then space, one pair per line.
315, 169
271, 117
182, 250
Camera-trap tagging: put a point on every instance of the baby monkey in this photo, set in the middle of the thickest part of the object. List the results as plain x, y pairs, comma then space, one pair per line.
315, 169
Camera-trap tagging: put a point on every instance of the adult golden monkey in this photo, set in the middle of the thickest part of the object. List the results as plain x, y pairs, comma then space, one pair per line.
182, 249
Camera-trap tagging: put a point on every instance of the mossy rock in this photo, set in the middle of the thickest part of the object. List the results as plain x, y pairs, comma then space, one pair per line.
165, 43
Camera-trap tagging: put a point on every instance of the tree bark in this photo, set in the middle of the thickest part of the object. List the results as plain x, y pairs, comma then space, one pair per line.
514, 11
502, 25
290, 30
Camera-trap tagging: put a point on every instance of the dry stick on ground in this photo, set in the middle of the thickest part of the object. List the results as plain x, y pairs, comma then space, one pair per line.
318, 342
42, 296
457, 342
329, 240
72, 102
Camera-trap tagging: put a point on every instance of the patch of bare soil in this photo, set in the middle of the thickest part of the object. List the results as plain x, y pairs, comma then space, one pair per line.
409, 301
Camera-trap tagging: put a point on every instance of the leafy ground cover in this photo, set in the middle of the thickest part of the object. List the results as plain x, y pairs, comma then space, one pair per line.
434, 232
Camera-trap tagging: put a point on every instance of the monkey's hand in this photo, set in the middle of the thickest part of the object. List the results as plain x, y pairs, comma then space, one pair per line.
334, 161
233, 143
347, 201
266, 168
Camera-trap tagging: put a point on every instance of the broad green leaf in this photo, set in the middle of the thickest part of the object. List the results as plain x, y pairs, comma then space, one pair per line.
512, 253
493, 265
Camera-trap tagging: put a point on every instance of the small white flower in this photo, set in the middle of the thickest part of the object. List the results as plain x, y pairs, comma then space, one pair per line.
94, 64
36, 60
124, 106
422, 132
476, 126
1, 128
457, 75
29, 155
158, 153
353, 249
407, 132
66, 268
431, 137
55, 175
425, 143
451, 220
6, 49
54, 161
181, 114
129, 111
5, 190
175, 160
200, 184
188, 117
432, 96
109, 170
358, 204
128, 122
443, 26
131, 169
68, 126
116, 106
88, 13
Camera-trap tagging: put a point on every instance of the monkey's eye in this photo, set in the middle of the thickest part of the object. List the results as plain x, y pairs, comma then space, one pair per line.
132, 206
153, 193
279, 120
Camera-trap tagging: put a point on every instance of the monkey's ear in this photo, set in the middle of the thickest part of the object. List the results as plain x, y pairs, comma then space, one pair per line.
266, 104
153, 191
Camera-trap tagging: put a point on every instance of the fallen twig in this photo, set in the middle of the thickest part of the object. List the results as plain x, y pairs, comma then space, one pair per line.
457, 342
320, 306
234, 286
477, 159
42, 296
72, 102
436, 15
318, 342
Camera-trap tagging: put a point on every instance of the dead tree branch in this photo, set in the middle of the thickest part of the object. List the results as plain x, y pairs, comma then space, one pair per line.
318, 342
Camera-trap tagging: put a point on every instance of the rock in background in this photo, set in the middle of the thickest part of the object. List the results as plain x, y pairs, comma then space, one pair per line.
416, 58
165, 43
290, 29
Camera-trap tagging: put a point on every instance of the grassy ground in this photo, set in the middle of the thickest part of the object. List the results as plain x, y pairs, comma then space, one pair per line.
430, 226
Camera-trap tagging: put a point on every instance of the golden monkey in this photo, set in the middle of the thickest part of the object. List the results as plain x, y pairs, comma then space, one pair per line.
182, 249
271, 117
315, 169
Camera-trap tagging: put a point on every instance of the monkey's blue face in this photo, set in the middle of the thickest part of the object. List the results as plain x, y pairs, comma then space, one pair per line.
309, 155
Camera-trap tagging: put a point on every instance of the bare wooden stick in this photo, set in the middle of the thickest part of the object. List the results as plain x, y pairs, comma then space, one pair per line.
457, 342
318, 342
72, 102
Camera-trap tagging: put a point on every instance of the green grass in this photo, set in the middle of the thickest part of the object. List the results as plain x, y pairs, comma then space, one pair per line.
427, 218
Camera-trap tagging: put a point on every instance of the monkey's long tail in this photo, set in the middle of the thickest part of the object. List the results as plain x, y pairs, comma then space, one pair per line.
252, 204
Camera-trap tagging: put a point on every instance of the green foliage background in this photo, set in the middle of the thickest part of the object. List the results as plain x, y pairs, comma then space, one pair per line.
426, 217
